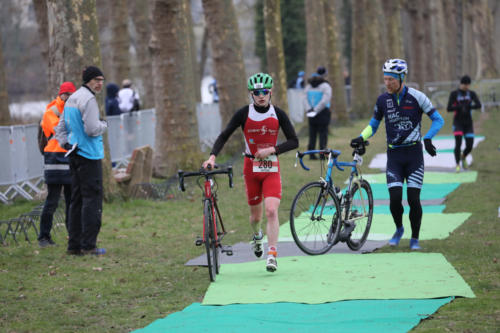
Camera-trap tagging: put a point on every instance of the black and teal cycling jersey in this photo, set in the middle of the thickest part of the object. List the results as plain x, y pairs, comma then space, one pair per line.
403, 117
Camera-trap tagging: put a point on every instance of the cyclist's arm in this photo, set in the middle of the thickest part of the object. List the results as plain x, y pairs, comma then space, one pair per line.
476, 104
437, 123
286, 126
238, 119
452, 102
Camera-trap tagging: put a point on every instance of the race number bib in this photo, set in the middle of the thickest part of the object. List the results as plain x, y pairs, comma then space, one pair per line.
269, 164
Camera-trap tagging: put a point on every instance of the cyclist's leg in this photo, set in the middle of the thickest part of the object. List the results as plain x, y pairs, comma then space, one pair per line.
394, 175
469, 143
415, 178
271, 190
271, 206
458, 133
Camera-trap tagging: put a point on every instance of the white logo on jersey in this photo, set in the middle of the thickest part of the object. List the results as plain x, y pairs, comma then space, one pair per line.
390, 104
404, 125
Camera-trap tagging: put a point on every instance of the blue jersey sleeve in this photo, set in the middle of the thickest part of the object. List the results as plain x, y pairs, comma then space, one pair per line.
437, 123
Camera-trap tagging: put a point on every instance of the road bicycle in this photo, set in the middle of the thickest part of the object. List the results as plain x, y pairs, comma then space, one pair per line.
322, 214
213, 227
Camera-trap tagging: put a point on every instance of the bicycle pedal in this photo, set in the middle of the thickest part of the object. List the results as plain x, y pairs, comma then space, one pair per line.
227, 250
198, 241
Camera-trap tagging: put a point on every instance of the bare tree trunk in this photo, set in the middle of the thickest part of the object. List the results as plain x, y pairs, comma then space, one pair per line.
4, 97
359, 98
194, 61
228, 62
417, 64
452, 33
73, 45
393, 37
140, 14
316, 36
120, 41
40, 7
103, 19
176, 128
440, 60
335, 68
203, 52
274, 51
374, 60
482, 28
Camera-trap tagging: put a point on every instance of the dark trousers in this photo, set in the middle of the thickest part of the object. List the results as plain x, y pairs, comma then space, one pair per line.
86, 203
318, 126
50, 206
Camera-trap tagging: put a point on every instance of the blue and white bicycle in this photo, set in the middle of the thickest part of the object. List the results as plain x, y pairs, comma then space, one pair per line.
322, 214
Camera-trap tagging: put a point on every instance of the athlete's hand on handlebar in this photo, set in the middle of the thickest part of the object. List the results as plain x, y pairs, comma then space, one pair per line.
264, 152
357, 141
210, 162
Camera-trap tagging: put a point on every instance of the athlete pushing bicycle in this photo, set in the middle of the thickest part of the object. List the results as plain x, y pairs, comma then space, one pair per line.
402, 108
260, 122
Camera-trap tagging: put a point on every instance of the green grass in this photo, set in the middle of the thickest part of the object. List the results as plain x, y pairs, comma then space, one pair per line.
143, 277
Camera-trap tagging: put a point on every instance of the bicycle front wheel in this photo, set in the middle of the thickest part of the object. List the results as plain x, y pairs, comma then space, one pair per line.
360, 212
314, 218
208, 232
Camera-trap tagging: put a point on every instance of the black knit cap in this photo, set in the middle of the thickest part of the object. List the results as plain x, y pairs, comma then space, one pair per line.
465, 79
91, 72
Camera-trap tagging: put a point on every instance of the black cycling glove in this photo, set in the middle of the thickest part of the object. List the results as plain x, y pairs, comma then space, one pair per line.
358, 141
429, 147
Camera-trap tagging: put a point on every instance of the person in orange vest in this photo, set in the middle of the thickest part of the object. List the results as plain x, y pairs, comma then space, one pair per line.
56, 169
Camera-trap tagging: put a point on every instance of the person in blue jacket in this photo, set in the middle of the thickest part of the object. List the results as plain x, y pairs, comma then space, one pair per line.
402, 108
112, 101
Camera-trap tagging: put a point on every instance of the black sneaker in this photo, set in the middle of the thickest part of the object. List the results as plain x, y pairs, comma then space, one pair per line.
44, 242
74, 252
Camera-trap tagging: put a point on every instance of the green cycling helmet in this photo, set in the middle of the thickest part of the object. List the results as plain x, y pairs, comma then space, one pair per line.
260, 81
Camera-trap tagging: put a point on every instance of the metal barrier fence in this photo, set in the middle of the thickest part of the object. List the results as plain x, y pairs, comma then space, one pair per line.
22, 169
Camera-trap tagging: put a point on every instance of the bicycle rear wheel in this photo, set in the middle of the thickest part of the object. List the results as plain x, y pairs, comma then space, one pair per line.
314, 218
360, 211
208, 227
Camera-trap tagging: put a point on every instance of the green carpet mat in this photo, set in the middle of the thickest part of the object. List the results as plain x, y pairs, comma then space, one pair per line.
429, 191
336, 277
434, 226
430, 177
349, 316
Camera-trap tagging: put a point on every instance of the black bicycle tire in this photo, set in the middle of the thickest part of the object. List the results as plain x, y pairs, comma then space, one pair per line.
208, 226
295, 234
352, 244
216, 244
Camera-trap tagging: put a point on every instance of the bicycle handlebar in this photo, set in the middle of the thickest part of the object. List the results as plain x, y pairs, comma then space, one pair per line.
206, 173
334, 154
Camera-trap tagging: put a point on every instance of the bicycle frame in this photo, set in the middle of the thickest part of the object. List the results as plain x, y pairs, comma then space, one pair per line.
354, 177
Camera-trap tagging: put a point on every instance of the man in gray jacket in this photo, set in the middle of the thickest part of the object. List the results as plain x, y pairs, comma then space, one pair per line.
318, 97
80, 132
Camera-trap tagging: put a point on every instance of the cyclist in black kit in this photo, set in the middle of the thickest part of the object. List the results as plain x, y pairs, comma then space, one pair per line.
402, 108
462, 101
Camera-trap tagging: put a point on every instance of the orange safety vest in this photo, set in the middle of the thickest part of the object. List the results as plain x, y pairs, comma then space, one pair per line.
50, 120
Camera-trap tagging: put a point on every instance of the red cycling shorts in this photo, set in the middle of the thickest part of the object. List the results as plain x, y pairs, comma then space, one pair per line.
259, 185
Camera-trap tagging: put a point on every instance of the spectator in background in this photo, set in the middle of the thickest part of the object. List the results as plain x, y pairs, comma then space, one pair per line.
128, 98
112, 101
462, 101
298, 83
80, 131
318, 97
56, 168
212, 88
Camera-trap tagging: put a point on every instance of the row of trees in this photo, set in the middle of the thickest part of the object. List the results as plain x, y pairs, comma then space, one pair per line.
166, 56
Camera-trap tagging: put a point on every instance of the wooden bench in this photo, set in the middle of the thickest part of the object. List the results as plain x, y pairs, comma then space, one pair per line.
139, 169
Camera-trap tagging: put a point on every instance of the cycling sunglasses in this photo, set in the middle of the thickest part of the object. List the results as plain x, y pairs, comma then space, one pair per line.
262, 92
